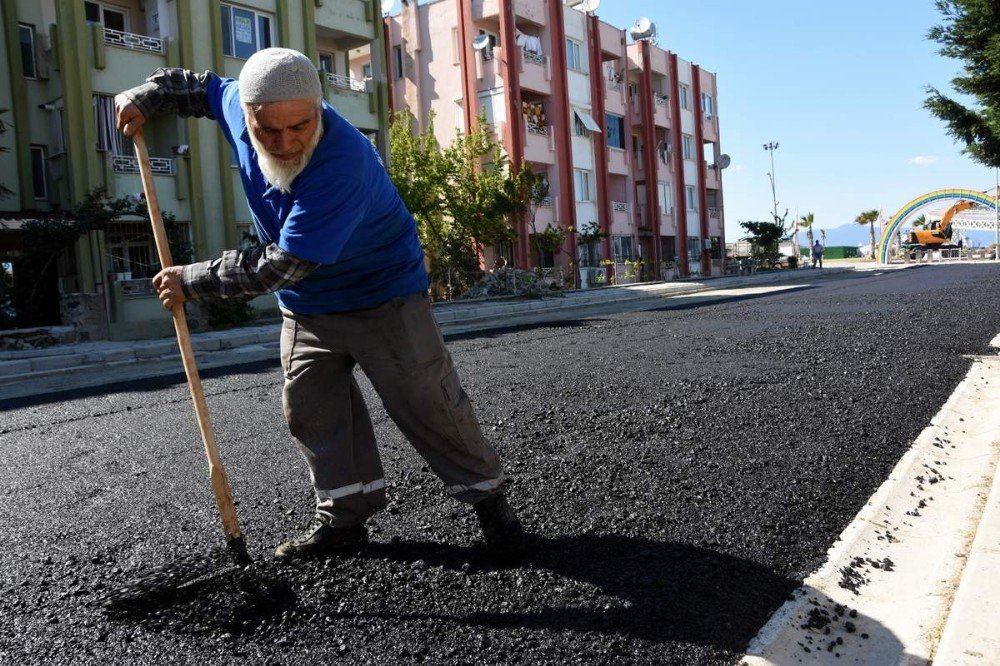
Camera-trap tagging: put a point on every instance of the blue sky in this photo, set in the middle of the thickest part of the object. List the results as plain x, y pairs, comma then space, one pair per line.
839, 85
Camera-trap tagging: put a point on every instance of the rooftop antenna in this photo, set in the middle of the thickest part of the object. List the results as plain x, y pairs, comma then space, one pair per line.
724, 161
588, 6
387, 6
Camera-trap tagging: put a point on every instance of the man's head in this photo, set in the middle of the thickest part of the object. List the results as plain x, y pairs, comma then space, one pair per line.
282, 101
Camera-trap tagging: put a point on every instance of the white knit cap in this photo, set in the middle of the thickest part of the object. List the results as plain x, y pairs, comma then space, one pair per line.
278, 75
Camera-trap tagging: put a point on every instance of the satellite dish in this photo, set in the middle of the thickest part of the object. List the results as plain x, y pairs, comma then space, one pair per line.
588, 6
387, 6
724, 161
643, 29
481, 43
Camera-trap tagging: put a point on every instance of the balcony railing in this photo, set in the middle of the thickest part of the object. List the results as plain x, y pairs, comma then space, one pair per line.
163, 166
130, 40
346, 83
540, 130
661, 100
713, 212
614, 85
547, 202
531, 56
619, 206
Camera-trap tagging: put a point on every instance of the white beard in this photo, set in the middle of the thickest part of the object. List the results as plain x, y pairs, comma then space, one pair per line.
281, 173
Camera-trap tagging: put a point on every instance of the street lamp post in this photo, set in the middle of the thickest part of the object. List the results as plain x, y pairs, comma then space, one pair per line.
770, 147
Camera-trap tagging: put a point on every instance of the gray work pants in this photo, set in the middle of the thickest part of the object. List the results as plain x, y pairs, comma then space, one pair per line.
400, 349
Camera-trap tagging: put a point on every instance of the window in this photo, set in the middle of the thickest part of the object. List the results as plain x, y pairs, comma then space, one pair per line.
244, 32
326, 63
694, 248
574, 60
685, 103
668, 248
666, 200
692, 204
623, 248
581, 181
687, 146
39, 172
110, 16
616, 130
707, 105
27, 34
494, 38
579, 128
366, 71
397, 62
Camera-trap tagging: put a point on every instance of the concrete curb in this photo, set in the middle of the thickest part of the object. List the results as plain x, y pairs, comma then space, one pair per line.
888, 587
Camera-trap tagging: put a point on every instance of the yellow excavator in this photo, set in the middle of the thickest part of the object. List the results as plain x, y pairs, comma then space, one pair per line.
938, 237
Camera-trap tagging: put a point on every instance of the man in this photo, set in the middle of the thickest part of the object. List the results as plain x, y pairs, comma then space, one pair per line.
340, 249
817, 254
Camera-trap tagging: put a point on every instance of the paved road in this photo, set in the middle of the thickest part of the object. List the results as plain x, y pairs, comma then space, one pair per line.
683, 469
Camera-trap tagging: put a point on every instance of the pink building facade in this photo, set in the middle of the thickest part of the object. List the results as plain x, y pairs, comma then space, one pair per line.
627, 135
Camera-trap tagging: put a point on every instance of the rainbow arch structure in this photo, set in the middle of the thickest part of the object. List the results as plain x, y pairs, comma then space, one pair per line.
923, 200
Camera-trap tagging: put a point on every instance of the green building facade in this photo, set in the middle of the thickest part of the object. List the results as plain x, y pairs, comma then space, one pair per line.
66, 60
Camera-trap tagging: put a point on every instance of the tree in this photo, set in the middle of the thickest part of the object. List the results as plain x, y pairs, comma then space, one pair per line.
806, 222
869, 217
462, 197
764, 240
969, 33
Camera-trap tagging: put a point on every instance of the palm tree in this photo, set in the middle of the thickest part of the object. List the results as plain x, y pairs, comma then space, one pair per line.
806, 222
868, 217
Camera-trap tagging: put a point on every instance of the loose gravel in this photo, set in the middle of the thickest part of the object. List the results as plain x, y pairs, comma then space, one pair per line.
681, 469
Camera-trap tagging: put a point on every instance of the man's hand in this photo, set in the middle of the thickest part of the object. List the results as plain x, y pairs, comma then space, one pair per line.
128, 117
168, 286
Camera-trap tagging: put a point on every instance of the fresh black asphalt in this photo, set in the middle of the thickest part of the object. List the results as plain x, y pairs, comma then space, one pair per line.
682, 469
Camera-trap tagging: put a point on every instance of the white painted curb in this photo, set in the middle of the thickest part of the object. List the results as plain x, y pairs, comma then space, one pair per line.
886, 590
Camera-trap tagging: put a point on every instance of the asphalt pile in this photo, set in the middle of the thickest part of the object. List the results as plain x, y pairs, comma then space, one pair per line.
681, 471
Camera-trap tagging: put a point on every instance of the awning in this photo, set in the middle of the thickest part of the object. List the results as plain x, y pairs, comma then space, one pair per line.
587, 120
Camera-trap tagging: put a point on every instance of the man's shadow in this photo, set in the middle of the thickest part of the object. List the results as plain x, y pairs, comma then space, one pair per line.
661, 591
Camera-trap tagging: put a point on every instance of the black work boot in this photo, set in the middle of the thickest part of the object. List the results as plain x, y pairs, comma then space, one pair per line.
505, 539
321, 540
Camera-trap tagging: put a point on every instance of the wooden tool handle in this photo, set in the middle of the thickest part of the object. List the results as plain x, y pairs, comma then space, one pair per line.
216, 472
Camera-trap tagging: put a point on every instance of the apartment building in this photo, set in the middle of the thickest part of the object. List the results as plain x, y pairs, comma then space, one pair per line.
567, 94
65, 61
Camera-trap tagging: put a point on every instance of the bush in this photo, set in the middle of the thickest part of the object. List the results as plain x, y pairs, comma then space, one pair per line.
228, 313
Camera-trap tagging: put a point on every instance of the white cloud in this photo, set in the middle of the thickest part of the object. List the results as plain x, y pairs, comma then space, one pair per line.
924, 160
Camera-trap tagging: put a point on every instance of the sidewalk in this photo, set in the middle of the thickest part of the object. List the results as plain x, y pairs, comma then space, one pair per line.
79, 365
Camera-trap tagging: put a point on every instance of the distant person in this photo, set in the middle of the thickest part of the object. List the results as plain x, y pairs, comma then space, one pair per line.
817, 254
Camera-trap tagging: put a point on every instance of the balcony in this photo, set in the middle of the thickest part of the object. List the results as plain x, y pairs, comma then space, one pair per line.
350, 20
122, 179
714, 212
661, 110
536, 73
617, 161
614, 97
124, 56
621, 218
352, 99
130, 40
539, 144
530, 10
545, 214
162, 166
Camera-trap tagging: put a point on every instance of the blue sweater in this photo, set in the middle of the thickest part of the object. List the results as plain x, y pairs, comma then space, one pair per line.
343, 212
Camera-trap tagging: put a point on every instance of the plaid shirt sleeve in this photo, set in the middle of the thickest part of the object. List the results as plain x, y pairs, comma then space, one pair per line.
244, 273
173, 90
